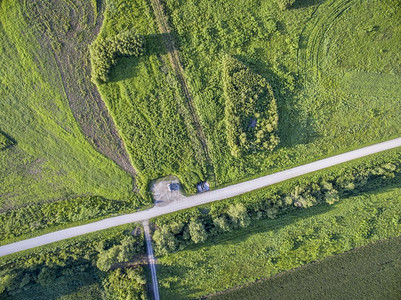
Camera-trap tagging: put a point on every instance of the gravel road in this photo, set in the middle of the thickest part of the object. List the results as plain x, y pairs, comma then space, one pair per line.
199, 199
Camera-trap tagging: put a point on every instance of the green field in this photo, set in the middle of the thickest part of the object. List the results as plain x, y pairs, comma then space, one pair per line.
322, 59
370, 272
268, 247
51, 158
144, 98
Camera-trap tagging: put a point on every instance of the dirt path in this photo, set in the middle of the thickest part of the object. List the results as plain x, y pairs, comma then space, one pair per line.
175, 61
152, 260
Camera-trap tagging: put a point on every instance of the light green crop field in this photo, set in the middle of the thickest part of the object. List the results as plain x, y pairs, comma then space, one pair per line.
269, 247
334, 67
51, 158
146, 103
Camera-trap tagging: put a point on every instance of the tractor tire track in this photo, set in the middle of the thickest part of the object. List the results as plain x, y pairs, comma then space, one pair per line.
313, 34
175, 61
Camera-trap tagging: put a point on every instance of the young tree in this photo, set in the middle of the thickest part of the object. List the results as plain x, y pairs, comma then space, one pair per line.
222, 224
239, 215
197, 231
165, 240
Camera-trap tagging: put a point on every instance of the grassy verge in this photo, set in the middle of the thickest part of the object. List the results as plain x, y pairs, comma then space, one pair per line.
52, 158
319, 114
35, 220
370, 272
269, 247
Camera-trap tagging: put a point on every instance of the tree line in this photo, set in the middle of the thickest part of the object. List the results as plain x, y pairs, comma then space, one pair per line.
97, 257
177, 231
104, 53
250, 109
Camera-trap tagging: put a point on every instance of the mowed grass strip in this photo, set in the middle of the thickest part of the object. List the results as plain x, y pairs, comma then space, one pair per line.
51, 159
370, 272
372, 84
269, 247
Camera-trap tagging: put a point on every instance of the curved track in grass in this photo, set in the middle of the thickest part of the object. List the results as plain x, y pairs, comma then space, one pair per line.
313, 34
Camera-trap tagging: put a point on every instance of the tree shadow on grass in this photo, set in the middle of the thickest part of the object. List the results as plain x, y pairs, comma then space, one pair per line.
60, 285
293, 128
227, 239
175, 291
126, 67
305, 3
10, 142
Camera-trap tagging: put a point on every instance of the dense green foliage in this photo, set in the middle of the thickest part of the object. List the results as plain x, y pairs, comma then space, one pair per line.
65, 268
33, 219
250, 109
52, 158
269, 247
174, 231
320, 113
124, 284
370, 272
285, 4
105, 52
5, 142
146, 103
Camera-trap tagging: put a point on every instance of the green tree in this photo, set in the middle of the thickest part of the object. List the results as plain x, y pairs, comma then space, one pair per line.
165, 240
239, 214
285, 4
46, 275
222, 224
197, 231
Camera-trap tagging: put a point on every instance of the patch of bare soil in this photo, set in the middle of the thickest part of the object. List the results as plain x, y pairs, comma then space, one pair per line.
69, 30
161, 193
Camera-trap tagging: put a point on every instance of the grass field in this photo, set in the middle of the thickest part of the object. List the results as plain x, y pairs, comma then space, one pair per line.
270, 247
51, 158
370, 272
144, 99
303, 53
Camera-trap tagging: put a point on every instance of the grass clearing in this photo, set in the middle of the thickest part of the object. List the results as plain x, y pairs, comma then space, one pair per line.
370, 272
147, 105
52, 159
303, 53
269, 247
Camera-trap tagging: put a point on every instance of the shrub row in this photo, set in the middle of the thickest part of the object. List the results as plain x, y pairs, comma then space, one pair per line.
177, 231
250, 109
104, 53
44, 266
